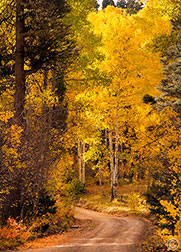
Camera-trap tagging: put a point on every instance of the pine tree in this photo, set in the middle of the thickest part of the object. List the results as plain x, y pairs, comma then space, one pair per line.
96, 5
121, 4
105, 3
162, 188
171, 84
131, 6
39, 39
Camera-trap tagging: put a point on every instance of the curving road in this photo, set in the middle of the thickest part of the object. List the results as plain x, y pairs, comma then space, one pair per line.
111, 234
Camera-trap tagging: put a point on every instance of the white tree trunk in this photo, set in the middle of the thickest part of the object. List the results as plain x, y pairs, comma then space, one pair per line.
83, 163
80, 159
112, 167
116, 152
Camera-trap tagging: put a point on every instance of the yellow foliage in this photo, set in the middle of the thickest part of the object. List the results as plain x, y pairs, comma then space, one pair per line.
12, 140
171, 8
160, 152
5, 116
37, 93
59, 175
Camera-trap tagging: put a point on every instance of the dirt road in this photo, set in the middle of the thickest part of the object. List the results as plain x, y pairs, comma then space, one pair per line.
111, 234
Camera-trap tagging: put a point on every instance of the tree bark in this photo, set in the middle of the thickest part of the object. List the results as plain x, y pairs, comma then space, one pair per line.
116, 152
114, 161
19, 63
106, 138
80, 160
83, 163
112, 167
100, 182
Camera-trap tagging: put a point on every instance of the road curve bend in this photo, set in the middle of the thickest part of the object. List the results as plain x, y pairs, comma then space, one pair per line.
111, 234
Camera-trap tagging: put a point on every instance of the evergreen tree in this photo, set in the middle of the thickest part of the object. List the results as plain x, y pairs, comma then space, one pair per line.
105, 3
131, 6
39, 40
121, 4
96, 5
171, 84
162, 188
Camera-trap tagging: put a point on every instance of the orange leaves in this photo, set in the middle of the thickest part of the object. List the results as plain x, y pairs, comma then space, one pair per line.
5, 116
14, 230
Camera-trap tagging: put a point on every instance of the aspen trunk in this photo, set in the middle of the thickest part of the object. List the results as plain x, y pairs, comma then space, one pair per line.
19, 63
106, 138
112, 166
116, 152
100, 183
83, 163
122, 159
80, 159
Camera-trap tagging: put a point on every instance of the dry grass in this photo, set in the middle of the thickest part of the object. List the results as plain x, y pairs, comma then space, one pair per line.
130, 200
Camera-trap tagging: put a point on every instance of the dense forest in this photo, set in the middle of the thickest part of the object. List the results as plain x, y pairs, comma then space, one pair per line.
87, 93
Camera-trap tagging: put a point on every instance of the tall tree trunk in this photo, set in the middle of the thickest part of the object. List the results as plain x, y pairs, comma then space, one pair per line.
80, 159
83, 163
106, 138
19, 63
116, 152
122, 158
112, 166
19, 98
100, 182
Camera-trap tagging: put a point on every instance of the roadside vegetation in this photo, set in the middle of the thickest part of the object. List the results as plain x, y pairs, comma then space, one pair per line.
131, 200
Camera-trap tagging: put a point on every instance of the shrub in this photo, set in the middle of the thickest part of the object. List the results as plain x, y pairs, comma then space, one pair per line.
76, 187
135, 201
13, 234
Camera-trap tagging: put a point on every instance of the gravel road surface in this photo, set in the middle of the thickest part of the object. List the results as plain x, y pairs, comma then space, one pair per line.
111, 234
